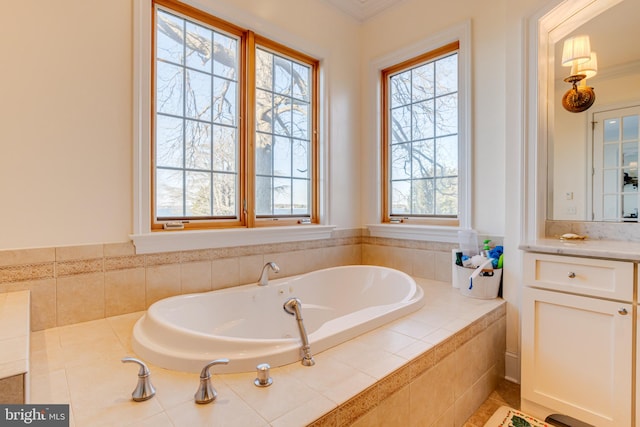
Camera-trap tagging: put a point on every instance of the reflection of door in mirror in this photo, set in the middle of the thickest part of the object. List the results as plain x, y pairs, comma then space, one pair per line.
616, 142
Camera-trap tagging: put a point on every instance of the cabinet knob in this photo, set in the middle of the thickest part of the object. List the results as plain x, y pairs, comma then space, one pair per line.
623, 311
571, 275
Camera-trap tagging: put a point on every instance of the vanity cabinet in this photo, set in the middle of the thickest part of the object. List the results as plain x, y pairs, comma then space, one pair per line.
577, 339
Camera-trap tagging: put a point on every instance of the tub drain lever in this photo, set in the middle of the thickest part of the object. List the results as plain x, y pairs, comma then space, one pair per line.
144, 390
263, 379
206, 393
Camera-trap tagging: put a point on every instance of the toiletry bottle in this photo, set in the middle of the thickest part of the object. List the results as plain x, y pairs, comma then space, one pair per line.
459, 258
486, 248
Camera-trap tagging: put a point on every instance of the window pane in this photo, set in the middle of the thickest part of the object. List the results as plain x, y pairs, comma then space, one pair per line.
423, 159
199, 48
189, 100
283, 116
264, 195
630, 154
423, 116
630, 180
301, 81
225, 149
282, 196
422, 202
400, 125
225, 56
198, 195
447, 115
169, 37
282, 76
630, 207
198, 95
169, 139
170, 193
169, 89
301, 159
630, 128
447, 75
300, 119
611, 181
611, 130
264, 111
400, 196
264, 69
611, 155
282, 157
198, 145
610, 211
422, 83
446, 163
423, 139
264, 153
400, 92
225, 109
400, 163
447, 196
224, 194
300, 197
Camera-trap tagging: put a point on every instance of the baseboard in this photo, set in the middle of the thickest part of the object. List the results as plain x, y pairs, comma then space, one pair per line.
512, 367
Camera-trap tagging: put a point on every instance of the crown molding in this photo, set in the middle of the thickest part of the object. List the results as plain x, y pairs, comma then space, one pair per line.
363, 9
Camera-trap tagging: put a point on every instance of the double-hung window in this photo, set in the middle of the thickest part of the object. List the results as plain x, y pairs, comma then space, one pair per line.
421, 139
234, 125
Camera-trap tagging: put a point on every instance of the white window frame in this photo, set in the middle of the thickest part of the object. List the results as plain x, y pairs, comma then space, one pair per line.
438, 233
143, 238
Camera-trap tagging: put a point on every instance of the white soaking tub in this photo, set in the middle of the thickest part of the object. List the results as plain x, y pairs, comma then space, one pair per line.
248, 325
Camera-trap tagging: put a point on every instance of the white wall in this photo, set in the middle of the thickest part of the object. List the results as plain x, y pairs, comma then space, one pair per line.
66, 112
416, 20
65, 122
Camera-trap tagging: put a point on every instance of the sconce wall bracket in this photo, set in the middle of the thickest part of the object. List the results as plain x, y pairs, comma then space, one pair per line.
578, 98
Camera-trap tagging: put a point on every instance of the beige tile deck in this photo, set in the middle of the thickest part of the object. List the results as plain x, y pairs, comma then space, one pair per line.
80, 364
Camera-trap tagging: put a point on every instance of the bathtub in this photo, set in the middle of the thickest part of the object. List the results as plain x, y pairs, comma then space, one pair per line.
248, 325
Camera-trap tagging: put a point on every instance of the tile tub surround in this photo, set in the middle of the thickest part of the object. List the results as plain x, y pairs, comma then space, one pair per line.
81, 283
432, 367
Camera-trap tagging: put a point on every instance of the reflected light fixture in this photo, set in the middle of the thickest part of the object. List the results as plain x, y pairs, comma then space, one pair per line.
576, 53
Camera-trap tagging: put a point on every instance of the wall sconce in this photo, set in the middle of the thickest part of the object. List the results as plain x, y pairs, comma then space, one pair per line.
576, 53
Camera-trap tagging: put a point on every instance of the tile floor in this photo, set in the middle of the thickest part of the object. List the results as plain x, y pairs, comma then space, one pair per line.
507, 393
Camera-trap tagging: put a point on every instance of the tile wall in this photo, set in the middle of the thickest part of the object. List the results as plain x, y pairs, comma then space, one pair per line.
442, 386
80, 283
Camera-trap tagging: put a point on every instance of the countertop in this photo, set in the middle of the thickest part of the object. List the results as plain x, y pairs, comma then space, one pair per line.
604, 249
14, 333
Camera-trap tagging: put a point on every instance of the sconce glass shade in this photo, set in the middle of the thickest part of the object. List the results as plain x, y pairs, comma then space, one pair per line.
589, 68
576, 49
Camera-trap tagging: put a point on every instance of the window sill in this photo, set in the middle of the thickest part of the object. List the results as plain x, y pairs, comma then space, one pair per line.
432, 233
169, 241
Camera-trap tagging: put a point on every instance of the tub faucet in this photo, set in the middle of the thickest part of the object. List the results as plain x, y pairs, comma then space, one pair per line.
293, 306
206, 393
144, 390
264, 277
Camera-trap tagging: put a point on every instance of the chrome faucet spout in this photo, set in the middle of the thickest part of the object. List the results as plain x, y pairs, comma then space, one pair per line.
264, 277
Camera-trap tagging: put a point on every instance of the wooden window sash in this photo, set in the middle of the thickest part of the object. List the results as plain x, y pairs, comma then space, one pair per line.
248, 41
385, 157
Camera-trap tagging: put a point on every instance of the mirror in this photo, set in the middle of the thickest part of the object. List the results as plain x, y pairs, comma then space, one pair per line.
592, 163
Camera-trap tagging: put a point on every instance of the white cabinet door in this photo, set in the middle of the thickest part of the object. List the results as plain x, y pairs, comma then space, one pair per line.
577, 356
